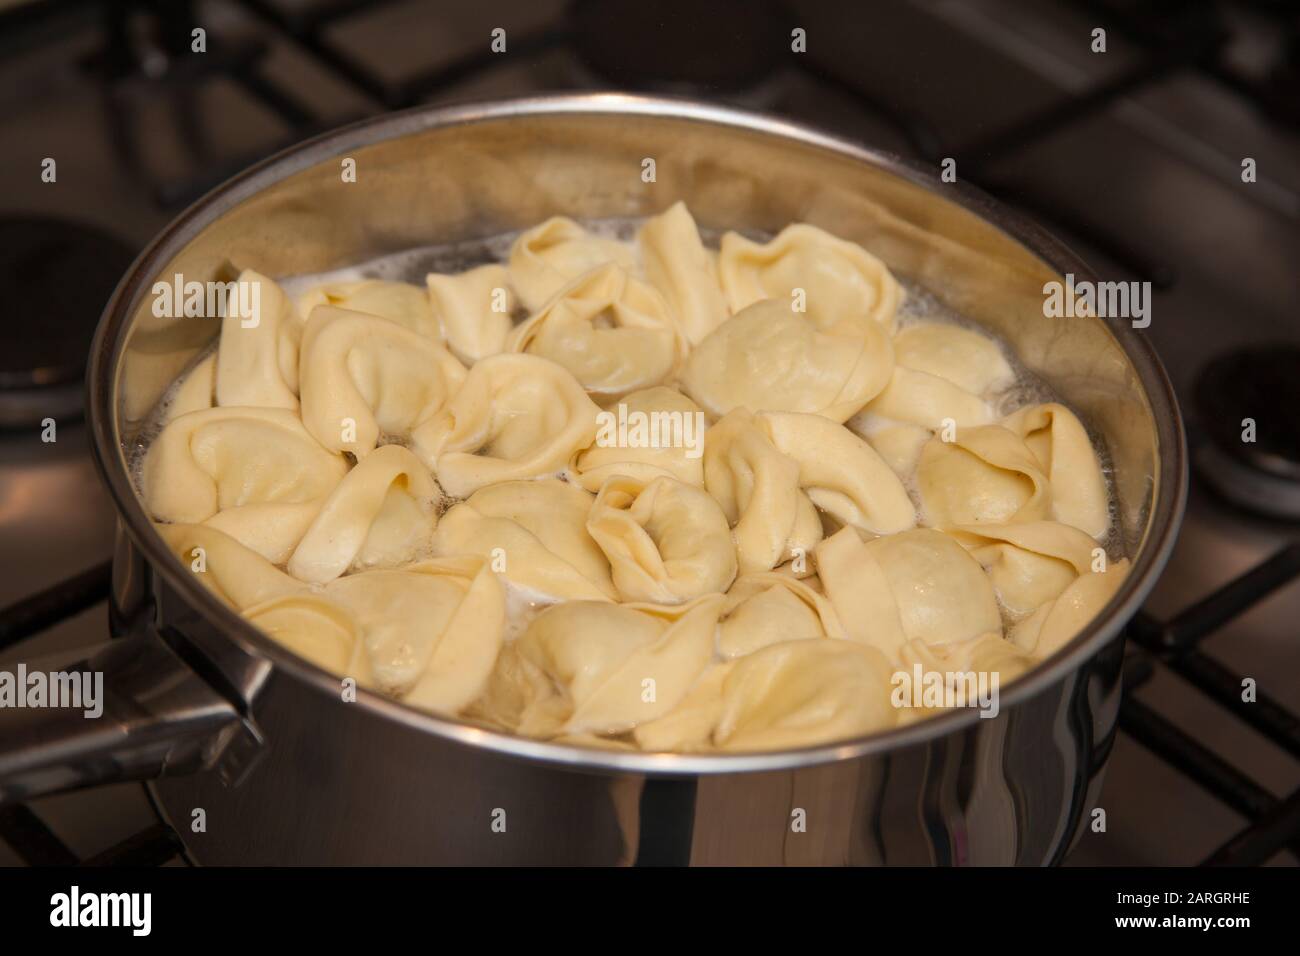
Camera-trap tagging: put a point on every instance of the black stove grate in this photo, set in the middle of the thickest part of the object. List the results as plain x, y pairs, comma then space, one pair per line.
1275, 823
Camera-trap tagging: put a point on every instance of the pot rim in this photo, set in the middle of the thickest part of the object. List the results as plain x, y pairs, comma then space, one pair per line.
1169, 484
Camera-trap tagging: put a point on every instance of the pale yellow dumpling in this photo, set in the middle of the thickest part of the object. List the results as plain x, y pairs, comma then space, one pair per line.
769, 357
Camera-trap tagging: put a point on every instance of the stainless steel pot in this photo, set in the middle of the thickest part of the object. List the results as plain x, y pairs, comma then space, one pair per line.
286, 772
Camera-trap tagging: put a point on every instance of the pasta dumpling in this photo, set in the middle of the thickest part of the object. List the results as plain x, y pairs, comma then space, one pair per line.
689, 725
986, 474
407, 305
678, 265
770, 358
950, 674
432, 630
257, 357
237, 575
770, 607
515, 416
318, 629
757, 488
898, 444
613, 332
841, 280
535, 533
549, 256
969, 360
673, 442
918, 584
944, 375
1028, 563
798, 693
612, 666
217, 459
473, 310
381, 513
842, 474
1061, 447
1054, 624
771, 471
364, 377
667, 542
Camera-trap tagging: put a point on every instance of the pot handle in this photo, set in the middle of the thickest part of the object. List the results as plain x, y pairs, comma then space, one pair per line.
142, 713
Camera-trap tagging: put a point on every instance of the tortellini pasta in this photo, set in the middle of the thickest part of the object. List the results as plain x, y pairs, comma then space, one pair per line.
238, 576
944, 376
772, 471
432, 630
774, 697
684, 271
948, 673
598, 658
757, 486
255, 473
768, 357
381, 513
364, 377
428, 634
636, 494
536, 533
1029, 563
515, 416
770, 607
918, 584
673, 443
1037, 463
984, 474
840, 280
942, 372
613, 332
548, 257
318, 629
407, 305
473, 310
842, 474
667, 542
783, 695
257, 359
1064, 453
1050, 627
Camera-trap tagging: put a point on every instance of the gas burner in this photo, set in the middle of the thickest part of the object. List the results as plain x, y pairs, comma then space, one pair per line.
1246, 402
682, 46
58, 276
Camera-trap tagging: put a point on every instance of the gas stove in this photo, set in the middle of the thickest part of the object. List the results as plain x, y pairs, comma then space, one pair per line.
1165, 149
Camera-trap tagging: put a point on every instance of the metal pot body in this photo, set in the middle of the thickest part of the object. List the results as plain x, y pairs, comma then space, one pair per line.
301, 776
